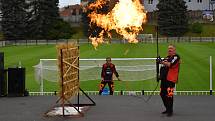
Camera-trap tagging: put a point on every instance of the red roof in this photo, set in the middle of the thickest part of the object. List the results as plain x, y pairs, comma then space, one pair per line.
67, 11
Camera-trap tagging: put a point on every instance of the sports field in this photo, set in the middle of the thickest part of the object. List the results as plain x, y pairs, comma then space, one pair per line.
194, 70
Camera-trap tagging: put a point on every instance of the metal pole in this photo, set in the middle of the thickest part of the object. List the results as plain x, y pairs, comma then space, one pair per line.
209, 5
157, 64
157, 40
175, 93
78, 100
211, 79
62, 82
78, 75
41, 78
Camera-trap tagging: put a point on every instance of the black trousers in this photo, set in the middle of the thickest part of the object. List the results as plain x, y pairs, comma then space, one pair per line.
110, 84
166, 93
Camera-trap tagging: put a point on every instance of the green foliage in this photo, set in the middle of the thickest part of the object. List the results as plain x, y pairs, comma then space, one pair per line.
197, 28
85, 24
1, 36
208, 30
14, 18
37, 19
172, 18
60, 30
43, 17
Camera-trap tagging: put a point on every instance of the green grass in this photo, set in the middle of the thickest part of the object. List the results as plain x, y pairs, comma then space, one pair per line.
194, 70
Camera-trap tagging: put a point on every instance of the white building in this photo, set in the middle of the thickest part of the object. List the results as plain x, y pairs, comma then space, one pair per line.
0, 17
150, 5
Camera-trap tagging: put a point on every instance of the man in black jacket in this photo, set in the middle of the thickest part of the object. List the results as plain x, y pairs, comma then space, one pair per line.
108, 69
169, 76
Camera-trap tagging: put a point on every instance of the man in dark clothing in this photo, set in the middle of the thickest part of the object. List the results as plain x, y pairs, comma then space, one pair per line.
169, 76
108, 69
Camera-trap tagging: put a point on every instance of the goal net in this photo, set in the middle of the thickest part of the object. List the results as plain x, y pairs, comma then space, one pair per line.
129, 69
146, 38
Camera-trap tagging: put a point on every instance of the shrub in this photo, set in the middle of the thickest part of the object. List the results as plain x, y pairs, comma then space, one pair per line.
197, 28
1, 36
61, 30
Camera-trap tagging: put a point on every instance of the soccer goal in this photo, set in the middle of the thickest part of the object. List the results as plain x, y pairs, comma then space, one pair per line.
146, 38
129, 69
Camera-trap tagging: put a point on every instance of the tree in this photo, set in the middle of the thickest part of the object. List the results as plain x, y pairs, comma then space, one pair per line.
14, 18
61, 30
1, 36
86, 23
91, 29
44, 15
172, 17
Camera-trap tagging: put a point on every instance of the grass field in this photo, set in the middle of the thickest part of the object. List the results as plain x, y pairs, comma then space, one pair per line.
194, 70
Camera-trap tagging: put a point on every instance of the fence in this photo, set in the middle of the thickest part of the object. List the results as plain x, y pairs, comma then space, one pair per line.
30, 42
138, 93
142, 40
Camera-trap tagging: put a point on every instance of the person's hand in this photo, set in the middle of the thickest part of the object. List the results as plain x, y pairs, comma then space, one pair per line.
102, 78
163, 62
166, 63
158, 60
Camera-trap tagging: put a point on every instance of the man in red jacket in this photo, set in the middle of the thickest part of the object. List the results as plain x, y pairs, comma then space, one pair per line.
169, 76
108, 69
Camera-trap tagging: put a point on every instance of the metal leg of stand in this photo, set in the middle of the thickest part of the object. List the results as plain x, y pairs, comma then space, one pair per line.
78, 100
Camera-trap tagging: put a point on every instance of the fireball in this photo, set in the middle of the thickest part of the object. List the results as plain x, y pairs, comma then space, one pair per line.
126, 18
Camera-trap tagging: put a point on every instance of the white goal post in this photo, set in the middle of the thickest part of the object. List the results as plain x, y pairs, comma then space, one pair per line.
129, 69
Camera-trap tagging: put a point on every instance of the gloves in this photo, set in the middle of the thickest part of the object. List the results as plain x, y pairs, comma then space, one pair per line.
159, 60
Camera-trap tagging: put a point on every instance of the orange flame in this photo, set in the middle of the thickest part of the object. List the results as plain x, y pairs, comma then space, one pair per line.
126, 18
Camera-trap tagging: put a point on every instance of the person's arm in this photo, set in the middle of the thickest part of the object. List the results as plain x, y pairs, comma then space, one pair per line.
115, 72
173, 62
102, 73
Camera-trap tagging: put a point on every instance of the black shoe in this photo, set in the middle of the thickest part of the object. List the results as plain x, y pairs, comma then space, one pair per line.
169, 114
164, 112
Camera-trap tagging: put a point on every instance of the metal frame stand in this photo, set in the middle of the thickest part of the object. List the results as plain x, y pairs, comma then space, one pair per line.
65, 101
76, 106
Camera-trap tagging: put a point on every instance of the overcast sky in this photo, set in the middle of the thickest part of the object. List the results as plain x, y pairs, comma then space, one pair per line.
63, 3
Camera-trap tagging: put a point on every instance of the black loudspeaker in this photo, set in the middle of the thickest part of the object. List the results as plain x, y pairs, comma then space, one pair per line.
3, 75
16, 81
